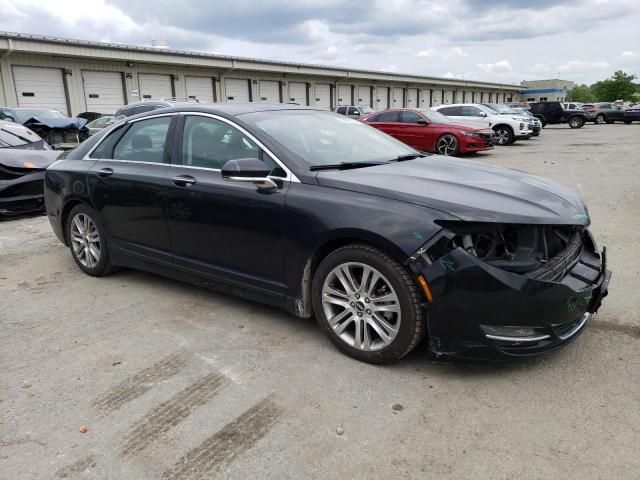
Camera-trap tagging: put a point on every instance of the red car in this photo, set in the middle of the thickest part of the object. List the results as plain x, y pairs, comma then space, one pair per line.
430, 131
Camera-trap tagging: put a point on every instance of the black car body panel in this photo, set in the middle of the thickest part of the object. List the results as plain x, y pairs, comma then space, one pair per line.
22, 179
554, 113
266, 245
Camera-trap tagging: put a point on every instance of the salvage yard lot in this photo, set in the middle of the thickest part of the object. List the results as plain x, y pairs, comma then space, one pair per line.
174, 381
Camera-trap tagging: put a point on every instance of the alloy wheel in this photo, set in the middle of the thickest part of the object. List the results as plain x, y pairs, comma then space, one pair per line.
503, 136
600, 119
447, 145
85, 240
361, 306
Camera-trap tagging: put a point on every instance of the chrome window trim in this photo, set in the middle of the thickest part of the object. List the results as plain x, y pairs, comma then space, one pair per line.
290, 176
88, 154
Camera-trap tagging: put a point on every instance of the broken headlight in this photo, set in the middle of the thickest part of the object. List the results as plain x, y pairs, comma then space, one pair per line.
512, 247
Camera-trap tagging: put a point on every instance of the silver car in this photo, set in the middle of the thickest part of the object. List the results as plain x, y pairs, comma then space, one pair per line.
354, 111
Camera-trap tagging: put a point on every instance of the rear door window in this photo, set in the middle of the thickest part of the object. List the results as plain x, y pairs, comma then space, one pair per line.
144, 141
385, 117
342, 110
451, 111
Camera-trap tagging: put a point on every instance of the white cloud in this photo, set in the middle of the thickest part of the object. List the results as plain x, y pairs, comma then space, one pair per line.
501, 66
572, 66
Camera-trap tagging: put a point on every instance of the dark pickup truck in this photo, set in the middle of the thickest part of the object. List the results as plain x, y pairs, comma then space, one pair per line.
554, 112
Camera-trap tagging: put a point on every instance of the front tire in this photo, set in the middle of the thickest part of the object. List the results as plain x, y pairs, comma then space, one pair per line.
87, 242
368, 304
447, 145
504, 135
600, 119
576, 122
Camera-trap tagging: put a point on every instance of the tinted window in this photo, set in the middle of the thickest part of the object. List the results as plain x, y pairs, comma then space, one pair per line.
469, 111
451, 111
144, 141
342, 110
143, 108
210, 143
353, 111
410, 117
385, 117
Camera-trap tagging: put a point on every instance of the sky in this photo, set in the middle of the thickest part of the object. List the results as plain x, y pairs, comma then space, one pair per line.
503, 41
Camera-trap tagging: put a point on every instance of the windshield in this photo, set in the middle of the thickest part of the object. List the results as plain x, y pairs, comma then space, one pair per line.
27, 113
436, 117
523, 111
324, 138
366, 109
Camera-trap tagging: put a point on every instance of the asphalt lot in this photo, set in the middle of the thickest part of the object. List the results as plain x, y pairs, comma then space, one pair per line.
173, 381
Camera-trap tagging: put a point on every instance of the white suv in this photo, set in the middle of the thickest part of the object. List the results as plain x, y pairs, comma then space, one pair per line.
507, 129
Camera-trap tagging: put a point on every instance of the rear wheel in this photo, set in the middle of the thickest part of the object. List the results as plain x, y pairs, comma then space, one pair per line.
87, 242
504, 135
367, 304
600, 119
627, 122
447, 145
576, 122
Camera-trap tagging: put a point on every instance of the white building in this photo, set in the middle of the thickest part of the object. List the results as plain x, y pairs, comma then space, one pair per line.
75, 76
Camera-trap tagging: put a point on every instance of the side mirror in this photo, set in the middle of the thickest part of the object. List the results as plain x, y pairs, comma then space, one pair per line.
422, 122
249, 170
482, 114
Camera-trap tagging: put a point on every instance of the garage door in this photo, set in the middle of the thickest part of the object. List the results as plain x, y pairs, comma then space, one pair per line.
398, 97
269, 91
103, 91
40, 87
425, 98
412, 98
382, 98
200, 88
155, 86
323, 96
298, 93
436, 99
364, 96
344, 95
448, 96
237, 90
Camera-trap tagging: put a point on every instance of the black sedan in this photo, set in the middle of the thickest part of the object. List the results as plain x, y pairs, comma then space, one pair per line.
322, 215
632, 114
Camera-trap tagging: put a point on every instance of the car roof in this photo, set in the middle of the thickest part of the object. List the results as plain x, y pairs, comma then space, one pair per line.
234, 109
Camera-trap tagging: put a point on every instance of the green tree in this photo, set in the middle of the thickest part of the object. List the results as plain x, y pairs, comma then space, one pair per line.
582, 93
619, 86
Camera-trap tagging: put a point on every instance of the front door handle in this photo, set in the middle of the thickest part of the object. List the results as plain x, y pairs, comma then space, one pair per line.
105, 172
184, 180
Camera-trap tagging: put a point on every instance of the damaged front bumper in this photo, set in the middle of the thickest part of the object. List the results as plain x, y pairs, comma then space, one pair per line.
481, 311
22, 195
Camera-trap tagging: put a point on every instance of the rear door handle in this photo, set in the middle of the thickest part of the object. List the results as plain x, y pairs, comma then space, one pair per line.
105, 172
184, 180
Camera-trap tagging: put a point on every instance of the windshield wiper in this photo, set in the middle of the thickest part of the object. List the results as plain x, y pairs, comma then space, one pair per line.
344, 165
411, 156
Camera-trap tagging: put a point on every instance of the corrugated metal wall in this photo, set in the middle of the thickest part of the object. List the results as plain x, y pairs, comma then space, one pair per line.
131, 71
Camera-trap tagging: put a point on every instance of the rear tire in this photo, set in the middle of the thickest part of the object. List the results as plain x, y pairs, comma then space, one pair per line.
576, 122
627, 122
87, 242
368, 304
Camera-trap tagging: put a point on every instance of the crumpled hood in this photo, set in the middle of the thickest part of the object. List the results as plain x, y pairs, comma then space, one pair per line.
36, 159
64, 123
469, 190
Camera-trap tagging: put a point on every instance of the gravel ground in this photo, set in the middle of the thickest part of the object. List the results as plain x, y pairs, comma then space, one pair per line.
172, 381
